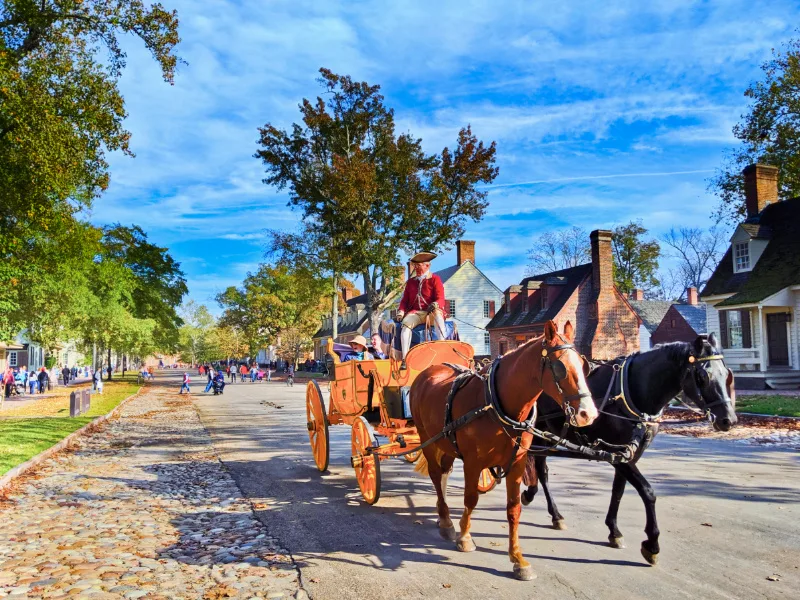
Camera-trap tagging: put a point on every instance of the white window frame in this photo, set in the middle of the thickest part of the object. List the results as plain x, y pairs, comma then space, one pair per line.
735, 332
451, 308
741, 257
487, 343
486, 308
12, 359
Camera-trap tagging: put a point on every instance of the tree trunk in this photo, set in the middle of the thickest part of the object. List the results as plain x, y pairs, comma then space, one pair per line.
94, 355
335, 312
109, 362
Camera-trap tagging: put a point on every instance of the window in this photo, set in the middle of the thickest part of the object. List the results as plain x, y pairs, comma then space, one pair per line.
451, 307
735, 335
393, 314
12, 359
672, 323
503, 348
487, 344
486, 308
741, 253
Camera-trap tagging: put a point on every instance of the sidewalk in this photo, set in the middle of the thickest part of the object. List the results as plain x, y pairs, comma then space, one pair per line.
142, 509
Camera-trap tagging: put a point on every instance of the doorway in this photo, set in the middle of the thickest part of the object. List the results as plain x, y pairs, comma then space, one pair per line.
778, 340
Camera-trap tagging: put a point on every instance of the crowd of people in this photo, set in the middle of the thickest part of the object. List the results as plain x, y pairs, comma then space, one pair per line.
19, 381
218, 374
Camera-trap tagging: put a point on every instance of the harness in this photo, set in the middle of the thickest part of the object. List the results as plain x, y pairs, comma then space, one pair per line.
696, 363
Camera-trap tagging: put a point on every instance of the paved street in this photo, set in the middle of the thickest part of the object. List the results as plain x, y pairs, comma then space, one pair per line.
729, 517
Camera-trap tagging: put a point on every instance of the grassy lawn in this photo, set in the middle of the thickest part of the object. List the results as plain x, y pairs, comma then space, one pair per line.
44, 424
769, 404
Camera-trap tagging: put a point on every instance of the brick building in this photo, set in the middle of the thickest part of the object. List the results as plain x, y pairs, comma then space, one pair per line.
605, 324
683, 322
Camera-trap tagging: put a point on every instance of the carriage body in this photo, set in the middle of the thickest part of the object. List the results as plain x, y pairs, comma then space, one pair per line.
367, 396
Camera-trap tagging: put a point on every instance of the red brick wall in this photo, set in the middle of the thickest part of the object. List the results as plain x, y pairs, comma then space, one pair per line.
665, 332
617, 327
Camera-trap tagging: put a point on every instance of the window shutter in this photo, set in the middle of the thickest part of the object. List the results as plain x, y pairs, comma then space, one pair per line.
491, 308
747, 340
723, 328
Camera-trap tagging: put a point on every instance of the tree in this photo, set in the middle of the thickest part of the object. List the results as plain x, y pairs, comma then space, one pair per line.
366, 194
159, 282
769, 132
697, 252
293, 344
229, 341
61, 111
556, 250
195, 331
635, 259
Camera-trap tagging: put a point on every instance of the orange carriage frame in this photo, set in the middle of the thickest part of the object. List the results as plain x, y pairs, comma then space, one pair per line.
358, 398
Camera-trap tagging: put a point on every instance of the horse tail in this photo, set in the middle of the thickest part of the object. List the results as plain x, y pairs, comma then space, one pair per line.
422, 464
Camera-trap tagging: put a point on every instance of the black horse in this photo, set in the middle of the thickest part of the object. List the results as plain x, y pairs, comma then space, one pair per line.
653, 379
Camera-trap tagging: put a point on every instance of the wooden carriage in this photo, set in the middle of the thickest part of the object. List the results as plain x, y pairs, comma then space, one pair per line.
369, 396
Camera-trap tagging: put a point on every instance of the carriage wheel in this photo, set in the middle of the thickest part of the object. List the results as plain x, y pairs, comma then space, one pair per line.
486, 482
317, 422
413, 456
367, 466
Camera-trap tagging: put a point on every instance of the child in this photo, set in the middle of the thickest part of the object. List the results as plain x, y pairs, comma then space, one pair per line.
185, 384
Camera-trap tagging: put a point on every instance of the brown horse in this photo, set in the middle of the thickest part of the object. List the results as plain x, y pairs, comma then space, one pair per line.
549, 363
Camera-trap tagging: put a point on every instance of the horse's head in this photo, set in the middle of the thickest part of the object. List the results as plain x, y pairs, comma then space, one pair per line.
564, 375
709, 383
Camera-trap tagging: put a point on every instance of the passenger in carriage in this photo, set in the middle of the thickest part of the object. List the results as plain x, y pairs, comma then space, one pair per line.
377, 344
359, 346
423, 296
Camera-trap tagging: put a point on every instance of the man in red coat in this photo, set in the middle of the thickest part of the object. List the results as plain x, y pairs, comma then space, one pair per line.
423, 296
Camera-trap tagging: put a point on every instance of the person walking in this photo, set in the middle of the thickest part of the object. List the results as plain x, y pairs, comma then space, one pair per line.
243, 372
33, 384
210, 384
97, 375
269, 371
290, 375
43, 379
254, 373
65, 373
185, 384
8, 381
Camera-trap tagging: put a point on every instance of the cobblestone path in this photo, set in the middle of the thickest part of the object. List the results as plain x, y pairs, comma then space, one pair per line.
143, 509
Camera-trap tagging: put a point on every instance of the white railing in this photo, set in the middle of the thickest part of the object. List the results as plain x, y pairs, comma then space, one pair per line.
742, 356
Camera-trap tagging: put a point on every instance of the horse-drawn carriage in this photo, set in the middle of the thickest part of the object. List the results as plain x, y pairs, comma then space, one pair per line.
372, 397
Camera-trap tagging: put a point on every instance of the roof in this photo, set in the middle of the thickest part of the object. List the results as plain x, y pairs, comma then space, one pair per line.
694, 315
447, 273
343, 328
568, 278
778, 267
757, 231
651, 312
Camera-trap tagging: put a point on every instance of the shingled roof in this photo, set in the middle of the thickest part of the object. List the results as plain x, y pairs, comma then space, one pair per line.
569, 278
777, 268
694, 315
651, 312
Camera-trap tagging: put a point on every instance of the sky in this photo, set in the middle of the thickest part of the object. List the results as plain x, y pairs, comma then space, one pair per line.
603, 112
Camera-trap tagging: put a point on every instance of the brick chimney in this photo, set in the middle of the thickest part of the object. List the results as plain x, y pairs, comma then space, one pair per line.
602, 261
637, 294
760, 187
691, 296
348, 293
465, 251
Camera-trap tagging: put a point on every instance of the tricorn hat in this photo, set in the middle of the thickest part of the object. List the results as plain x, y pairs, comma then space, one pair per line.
422, 257
359, 339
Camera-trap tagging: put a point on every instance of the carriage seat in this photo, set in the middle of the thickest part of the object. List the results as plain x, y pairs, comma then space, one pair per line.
390, 332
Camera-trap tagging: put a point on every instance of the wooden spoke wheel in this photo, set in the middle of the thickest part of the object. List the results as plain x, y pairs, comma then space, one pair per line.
367, 466
486, 482
317, 422
413, 457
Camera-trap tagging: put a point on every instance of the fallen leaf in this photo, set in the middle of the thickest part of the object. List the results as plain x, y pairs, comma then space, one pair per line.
706, 524
417, 522
495, 544
774, 577
314, 580
446, 586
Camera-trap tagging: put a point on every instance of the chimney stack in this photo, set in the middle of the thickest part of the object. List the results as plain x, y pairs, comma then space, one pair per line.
510, 294
637, 294
465, 251
602, 261
691, 296
348, 293
760, 187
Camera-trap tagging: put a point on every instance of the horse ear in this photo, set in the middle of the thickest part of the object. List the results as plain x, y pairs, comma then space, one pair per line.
712, 339
550, 331
569, 332
699, 345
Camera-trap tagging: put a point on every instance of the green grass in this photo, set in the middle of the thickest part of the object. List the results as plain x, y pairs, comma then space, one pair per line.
24, 438
769, 404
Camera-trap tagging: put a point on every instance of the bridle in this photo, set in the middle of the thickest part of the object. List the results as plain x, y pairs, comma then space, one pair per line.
696, 366
559, 371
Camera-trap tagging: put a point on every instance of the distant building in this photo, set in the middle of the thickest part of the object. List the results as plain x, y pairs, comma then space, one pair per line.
753, 296
664, 321
605, 323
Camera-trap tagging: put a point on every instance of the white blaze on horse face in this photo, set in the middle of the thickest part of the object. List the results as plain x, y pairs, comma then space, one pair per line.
587, 411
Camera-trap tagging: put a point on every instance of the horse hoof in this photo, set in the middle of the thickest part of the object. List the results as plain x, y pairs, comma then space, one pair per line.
466, 545
559, 524
448, 533
525, 498
617, 542
524, 573
650, 557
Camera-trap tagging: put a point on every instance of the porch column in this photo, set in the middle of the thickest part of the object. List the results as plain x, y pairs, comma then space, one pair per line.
762, 352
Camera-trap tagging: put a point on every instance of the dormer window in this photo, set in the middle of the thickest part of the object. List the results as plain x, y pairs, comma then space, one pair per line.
741, 256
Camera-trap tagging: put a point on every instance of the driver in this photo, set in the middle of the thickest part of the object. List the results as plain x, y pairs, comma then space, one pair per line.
423, 295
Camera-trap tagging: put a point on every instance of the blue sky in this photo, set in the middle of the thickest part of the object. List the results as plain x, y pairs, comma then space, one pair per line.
602, 112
